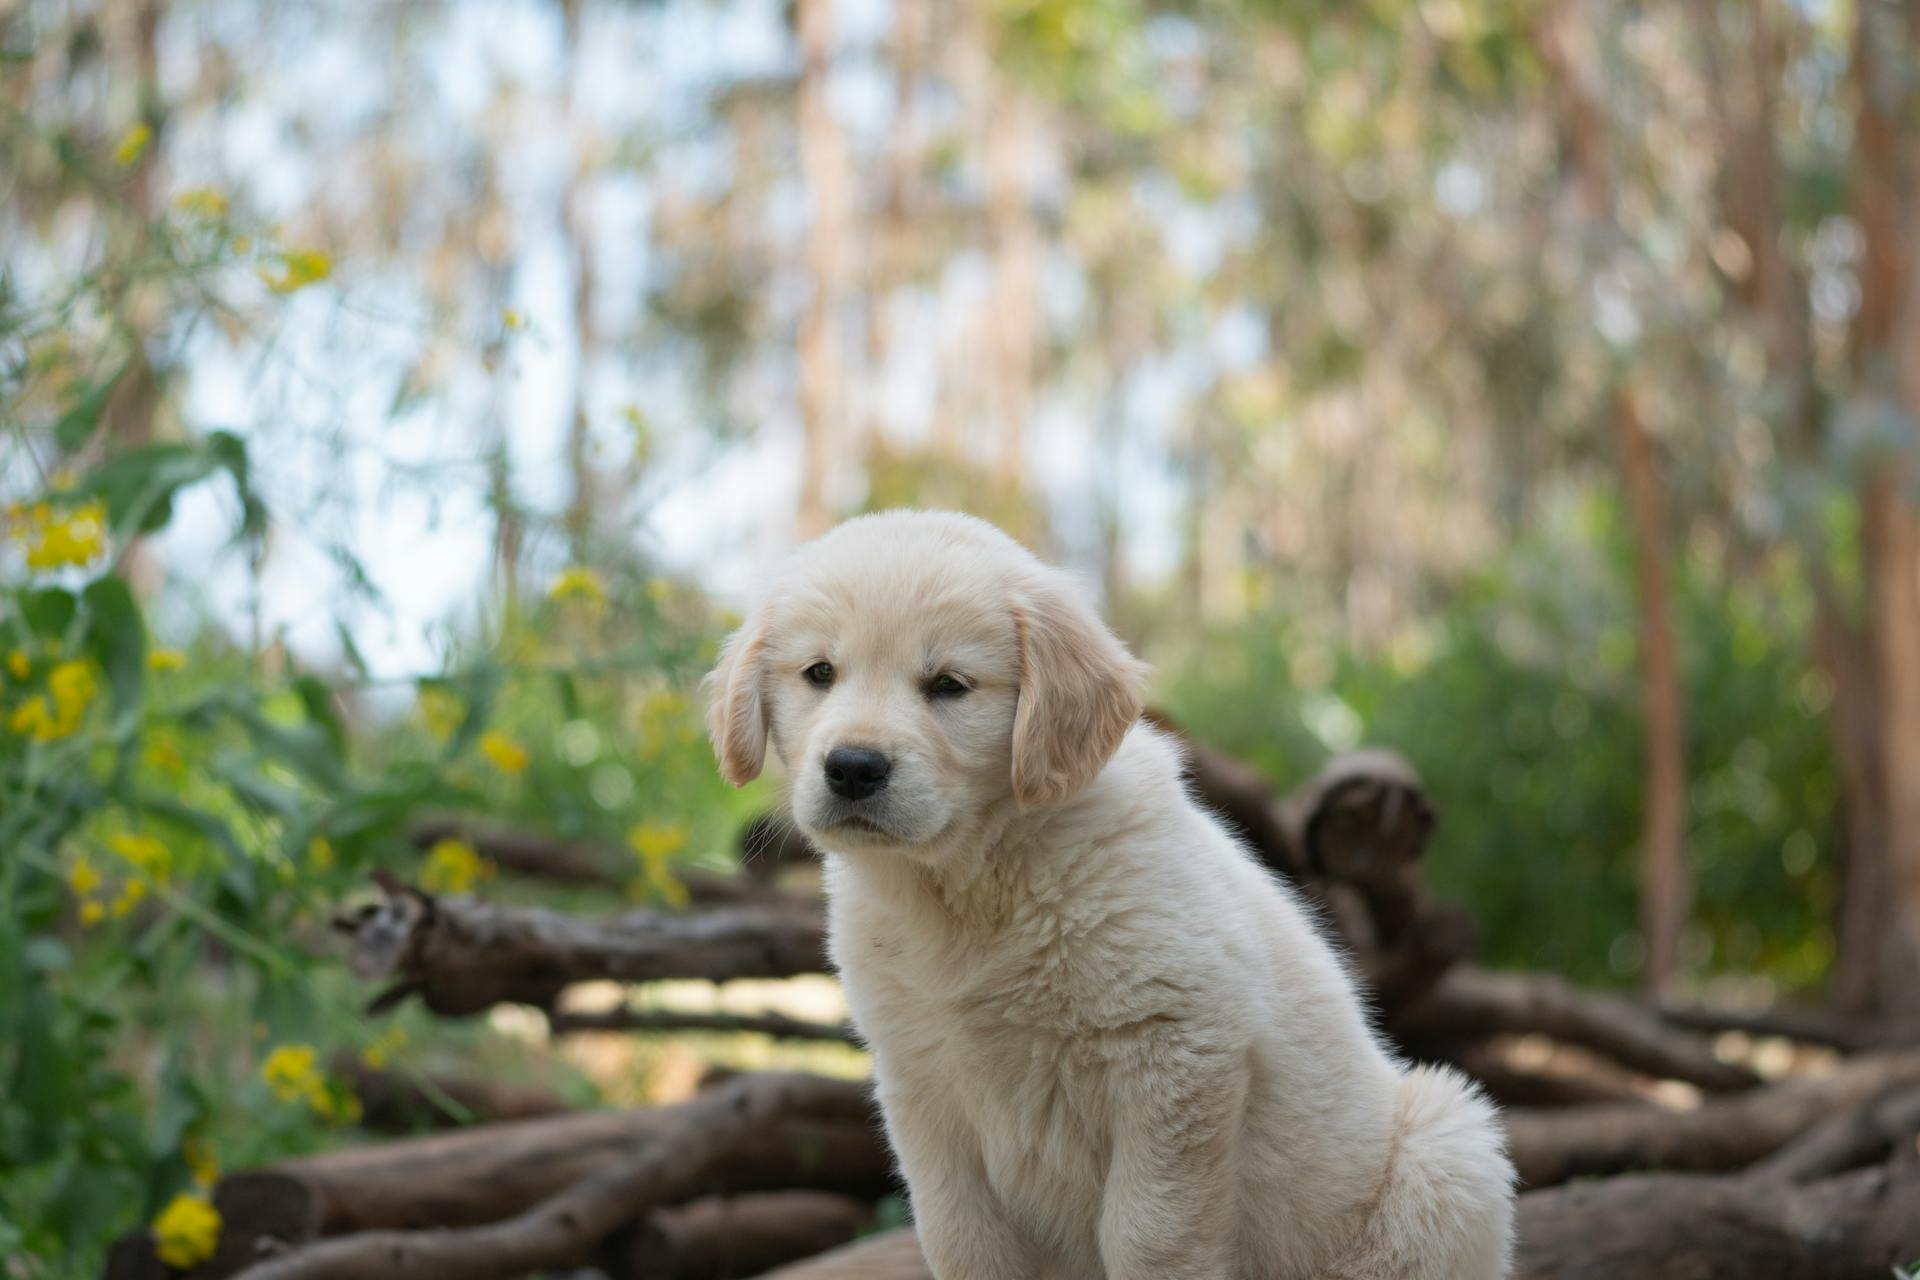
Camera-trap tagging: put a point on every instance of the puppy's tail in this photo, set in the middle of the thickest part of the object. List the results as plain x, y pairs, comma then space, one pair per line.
1445, 1209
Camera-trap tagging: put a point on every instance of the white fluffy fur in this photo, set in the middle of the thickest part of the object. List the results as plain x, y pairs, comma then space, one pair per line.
1107, 1043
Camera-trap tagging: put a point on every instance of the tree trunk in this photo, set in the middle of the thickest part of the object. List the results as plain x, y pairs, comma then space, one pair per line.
1886, 363
1664, 889
576, 219
823, 161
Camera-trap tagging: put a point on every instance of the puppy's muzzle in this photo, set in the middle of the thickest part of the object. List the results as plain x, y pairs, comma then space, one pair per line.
854, 773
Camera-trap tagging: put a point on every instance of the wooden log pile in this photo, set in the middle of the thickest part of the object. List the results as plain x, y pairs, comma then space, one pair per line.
1644, 1151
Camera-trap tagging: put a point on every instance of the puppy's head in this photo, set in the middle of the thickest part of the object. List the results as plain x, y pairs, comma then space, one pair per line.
912, 671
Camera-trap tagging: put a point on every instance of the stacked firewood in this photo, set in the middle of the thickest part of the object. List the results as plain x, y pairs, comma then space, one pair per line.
1646, 1144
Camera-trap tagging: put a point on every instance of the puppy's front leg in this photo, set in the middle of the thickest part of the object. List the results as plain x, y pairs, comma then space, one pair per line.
1169, 1208
964, 1231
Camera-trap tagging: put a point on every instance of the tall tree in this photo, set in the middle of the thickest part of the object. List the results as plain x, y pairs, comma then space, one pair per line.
1569, 44
829, 255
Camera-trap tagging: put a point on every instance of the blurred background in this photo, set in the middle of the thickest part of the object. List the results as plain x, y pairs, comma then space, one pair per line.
395, 399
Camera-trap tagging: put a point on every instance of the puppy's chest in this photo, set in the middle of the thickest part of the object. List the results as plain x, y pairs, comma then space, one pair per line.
995, 1041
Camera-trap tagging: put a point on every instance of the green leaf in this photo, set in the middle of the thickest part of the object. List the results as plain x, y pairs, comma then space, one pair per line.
76, 426
138, 486
355, 658
117, 638
317, 699
48, 611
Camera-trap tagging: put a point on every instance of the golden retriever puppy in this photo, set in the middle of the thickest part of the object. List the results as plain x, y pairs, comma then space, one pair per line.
1107, 1044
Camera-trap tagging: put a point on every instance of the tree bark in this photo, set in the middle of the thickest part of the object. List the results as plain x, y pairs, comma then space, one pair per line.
576, 220
1665, 896
462, 956
565, 1228
1640, 1227
1665, 893
1471, 1003
1725, 1132
1886, 357
823, 161
722, 1238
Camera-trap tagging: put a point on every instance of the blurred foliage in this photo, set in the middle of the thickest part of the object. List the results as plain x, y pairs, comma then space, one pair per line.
1520, 708
177, 823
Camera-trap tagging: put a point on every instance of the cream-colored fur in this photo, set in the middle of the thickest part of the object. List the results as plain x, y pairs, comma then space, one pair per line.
1108, 1045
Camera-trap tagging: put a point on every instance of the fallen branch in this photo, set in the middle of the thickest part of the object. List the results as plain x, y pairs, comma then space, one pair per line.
1728, 1131
1848, 1033
723, 1237
564, 1229
1471, 1002
486, 1172
461, 955
777, 1025
1657, 1226
396, 1102
1639, 1227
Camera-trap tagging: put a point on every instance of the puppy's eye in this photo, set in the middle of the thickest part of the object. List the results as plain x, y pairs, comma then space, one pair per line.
819, 675
946, 685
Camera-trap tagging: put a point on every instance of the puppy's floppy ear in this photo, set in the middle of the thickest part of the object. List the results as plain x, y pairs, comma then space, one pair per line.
736, 713
1079, 693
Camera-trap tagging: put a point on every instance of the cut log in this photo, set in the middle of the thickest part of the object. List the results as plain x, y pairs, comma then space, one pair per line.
690, 1151
1668, 1226
723, 1238
395, 1102
462, 956
1471, 1002
1639, 1227
892, 1256
1727, 1131
487, 1172
1849, 1033
777, 1025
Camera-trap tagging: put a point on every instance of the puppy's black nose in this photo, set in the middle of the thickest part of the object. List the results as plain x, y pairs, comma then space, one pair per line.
854, 773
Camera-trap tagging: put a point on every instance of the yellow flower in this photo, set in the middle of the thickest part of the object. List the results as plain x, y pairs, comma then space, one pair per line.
131, 894
82, 877
442, 711
320, 853
57, 538
656, 843
298, 269
209, 203
145, 853
187, 1232
31, 719
132, 145
576, 582
513, 319
71, 688
166, 660
507, 755
291, 1071
201, 1161
91, 912
19, 664
454, 866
